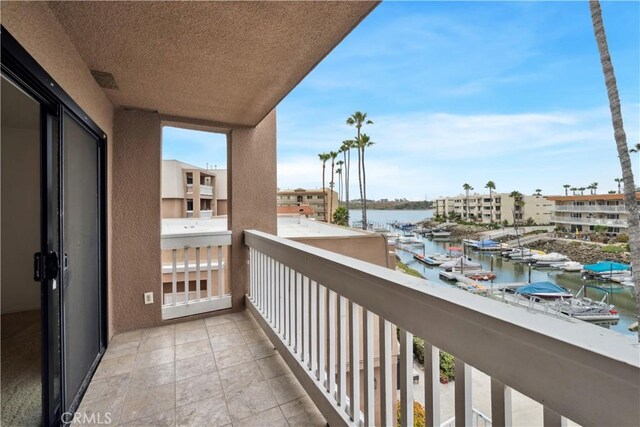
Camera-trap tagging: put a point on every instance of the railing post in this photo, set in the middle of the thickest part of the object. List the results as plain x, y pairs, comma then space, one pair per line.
406, 378
220, 272
331, 366
432, 385
369, 396
198, 274
321, 333
354, 347
210, 285
186, 275
174, 277
552, 419
342, 352
500, 404
463, 394
387, 415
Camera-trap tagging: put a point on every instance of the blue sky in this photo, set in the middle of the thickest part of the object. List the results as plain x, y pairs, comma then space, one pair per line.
462, 92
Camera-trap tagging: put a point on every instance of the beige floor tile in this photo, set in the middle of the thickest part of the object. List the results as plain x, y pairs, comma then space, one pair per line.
272, 366
271, 417
243, 315
223, 329
253, 335
155, 357
233, 356
115, 366
158, 331
131, 336
143, 379
210, 412
262, 349
224, 342
194, 366
121, 349
197, 388
160, 419
156, 342
302, 412
286, 388
107, 409
250, 401
101, 388
193, 349
146, 403
238, 377
245, 325
187, 326
217, 320
191, 335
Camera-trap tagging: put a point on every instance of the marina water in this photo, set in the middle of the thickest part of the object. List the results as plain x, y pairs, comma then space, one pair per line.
506, 270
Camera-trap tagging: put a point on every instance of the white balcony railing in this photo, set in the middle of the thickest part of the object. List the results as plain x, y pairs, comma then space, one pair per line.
590, 208
189, 188
203, 261
206, 190
206, 214
189, 214
589, 221
315, 304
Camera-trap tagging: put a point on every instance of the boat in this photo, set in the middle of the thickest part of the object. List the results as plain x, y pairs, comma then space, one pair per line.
461, 264
481, 275
544, 290
584, 308
571, 266
548, 259
606, 269
440, 234
434, 259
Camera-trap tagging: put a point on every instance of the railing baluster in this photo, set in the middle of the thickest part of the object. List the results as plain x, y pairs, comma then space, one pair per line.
354, 350
305, 320
198, 274
209, 284
369, 397
281, 289
552, 419
287, 305
322, 333
313, 325
387, 414
331, 366
463, 394
186, 275
500, 404
299, 309
174, 276
342, 352
291, 307
406, 378
432, 385
220, 272
276, 300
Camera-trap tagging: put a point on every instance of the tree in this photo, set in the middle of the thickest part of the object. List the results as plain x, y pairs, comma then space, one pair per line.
581, 189
341, 216
466, 187
636, 149
573, 190
612, 191
621, 144
323, 158
333, 155
340, 165
363, 143
491, 186
345, 148
619, 182
594, 187
538, 192
359, 119
566, 189
518, 204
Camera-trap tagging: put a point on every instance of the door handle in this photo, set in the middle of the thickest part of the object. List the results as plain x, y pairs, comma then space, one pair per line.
45, 267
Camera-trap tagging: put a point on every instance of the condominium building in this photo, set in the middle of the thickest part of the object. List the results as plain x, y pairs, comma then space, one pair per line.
584, 213
314, 198
192, 192
498, 207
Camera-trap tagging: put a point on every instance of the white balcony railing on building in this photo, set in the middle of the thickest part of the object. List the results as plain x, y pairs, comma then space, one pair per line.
197, 258
206, 214
590, 208
189, 188
315, 304
206, 190
189, 214
589, 221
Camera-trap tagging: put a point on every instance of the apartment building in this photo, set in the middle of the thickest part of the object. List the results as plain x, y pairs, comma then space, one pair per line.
498, 207
192, 192
313, 198
583, 213
88, 89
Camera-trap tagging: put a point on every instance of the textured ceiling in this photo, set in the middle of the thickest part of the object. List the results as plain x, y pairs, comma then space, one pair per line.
229, 62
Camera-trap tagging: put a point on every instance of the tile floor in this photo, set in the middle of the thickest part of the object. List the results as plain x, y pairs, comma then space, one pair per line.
213, 372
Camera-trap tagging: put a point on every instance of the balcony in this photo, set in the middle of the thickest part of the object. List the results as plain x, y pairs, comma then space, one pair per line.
189, 189
207, 213
590, 208
206, 190
589, 221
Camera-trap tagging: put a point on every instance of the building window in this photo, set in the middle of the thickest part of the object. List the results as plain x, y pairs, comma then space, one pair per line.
189, 204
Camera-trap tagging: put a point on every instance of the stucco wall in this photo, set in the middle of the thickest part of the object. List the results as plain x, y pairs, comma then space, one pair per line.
370, 248
252, 190
136, 219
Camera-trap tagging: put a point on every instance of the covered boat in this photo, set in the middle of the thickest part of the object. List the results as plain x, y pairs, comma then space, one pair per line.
544, 290
460, 264
607, 267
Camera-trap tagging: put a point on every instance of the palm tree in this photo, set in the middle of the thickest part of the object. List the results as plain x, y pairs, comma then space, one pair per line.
345, 148
323, 158
491, 186
332, 155
566, 189
466, 187
621, 144
594, 187
538, 192
573, 190
636, 149
358, 119
619, 182
363, 143
581, 190
612, 191
339, 164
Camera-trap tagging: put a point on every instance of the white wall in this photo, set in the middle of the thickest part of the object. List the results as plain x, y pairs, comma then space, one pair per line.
20, 218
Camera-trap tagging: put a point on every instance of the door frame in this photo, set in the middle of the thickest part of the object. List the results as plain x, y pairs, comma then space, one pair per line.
24, 71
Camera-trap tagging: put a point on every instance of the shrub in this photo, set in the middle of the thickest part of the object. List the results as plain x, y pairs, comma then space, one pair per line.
447, 366
613, 249
418, 414
622, 238
418, 349
341, 216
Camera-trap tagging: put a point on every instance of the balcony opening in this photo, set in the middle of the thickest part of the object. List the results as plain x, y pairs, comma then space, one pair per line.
195, 240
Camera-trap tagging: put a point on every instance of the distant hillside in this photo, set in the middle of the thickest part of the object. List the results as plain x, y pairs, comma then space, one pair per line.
395, 205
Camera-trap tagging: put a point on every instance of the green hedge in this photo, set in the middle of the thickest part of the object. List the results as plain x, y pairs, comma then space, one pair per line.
447, 361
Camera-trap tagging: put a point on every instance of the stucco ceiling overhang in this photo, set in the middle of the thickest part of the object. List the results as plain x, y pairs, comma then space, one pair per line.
223, 61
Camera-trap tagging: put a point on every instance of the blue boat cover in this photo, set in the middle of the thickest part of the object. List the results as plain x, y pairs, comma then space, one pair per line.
604, 266
540, 287
488, 243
